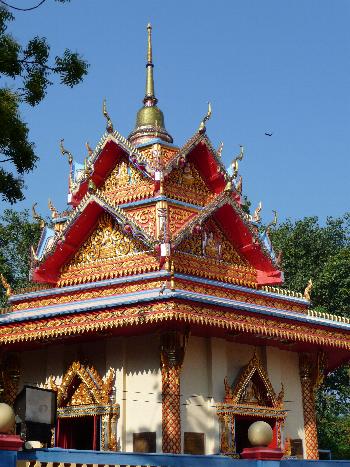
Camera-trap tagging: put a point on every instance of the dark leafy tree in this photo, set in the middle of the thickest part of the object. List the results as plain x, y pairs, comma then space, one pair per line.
17, 234
323, 254
32, 70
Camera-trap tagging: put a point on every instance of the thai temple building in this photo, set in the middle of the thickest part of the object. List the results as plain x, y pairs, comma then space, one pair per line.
157, 310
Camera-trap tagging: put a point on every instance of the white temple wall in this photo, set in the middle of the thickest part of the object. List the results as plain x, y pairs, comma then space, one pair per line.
207, 362
136, 361
283, 366
196, 410
142, 389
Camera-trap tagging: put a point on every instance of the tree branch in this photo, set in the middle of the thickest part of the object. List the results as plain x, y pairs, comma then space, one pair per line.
22, 9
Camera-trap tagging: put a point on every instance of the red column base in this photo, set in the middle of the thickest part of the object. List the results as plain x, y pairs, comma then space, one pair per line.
10, 442
262, 453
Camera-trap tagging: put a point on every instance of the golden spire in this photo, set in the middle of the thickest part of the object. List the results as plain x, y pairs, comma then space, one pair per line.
149, 119
149, 97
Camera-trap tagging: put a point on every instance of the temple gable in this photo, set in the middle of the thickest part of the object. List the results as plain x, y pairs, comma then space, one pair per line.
108, 251
125, 183
206, 251
211, 242
186, 184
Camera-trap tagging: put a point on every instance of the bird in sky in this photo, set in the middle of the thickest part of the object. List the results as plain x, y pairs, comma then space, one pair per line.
268, 134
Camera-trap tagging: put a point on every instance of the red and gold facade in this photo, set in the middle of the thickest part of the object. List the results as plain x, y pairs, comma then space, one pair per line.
156, 240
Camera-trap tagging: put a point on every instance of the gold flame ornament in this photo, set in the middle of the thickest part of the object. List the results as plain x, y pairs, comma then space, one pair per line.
239, 185
89, 149
54, 212
37, 217
65, 152
307, 291
6, 285
202, 127
257, 215
273, 223
109, 126
234, 163
220, 148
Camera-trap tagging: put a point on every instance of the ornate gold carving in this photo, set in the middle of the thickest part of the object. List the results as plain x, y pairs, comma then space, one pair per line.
187, 185
90, 388
123, 266
307, 291
88, 295
147, 285
172, 352
240, 296
108, 252
214, 269
145, 217
252, 394
84, 392
125, 183
179, 217
170, 310
254, 387
163, 155
309, 378
107, 242
6, 285
211, 243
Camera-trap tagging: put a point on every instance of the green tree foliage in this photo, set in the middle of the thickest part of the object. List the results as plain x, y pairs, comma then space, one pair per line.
323, 254
17, 234
31, 68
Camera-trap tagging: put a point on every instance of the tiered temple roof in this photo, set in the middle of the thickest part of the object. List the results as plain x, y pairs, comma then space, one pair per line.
158, 235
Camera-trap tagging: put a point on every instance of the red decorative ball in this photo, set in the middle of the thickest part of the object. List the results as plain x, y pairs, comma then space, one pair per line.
197, 229
157, 249
182, 162
127, 229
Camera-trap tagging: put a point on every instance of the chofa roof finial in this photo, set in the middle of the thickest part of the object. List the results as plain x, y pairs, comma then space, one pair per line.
202, 127
37, 217
308, 289
6, 285
234, 163
109, 126
257, 216
273, 223
65, 152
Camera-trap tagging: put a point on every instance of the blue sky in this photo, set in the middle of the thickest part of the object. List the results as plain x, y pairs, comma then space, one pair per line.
272, 65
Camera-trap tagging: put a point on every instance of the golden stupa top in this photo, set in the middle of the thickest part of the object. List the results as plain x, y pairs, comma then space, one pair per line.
149, 119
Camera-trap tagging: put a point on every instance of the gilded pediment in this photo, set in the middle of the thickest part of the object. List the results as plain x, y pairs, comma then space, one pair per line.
158, 154
144, 217
108, 252
253, 387
125, 183
211, 242
179, 218
207, 252
186, 184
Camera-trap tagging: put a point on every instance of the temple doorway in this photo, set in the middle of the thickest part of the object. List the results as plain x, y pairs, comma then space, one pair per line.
79, 433
87, 413
249, 399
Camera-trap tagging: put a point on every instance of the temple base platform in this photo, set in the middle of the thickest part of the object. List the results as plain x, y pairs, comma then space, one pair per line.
262, 453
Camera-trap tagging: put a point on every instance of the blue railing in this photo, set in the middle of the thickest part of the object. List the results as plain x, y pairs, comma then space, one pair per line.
72, 456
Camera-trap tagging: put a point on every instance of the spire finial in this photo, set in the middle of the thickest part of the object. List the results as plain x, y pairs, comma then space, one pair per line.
149, 48
149, 99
